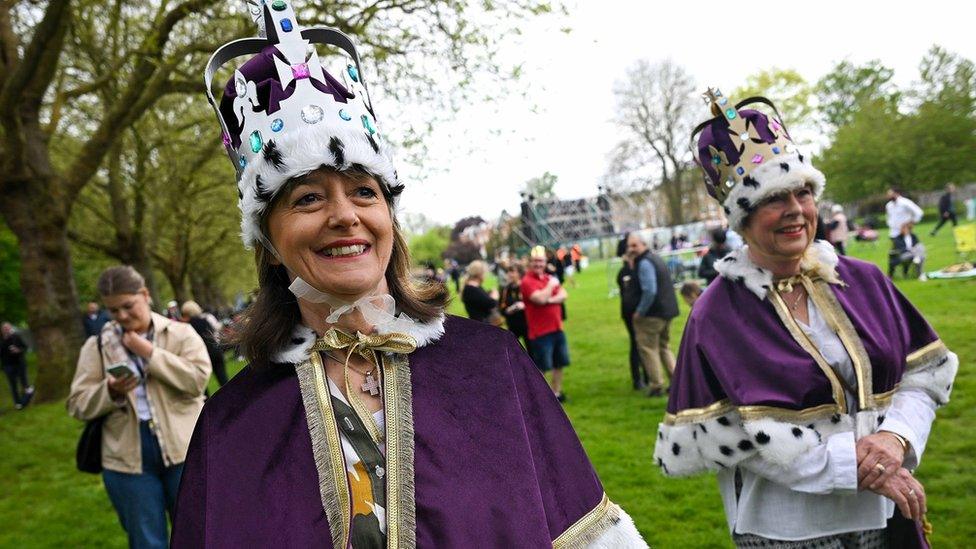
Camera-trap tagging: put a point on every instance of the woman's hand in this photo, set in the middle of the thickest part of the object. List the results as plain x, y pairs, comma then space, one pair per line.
119, 386
879, 456
137, 344
907, 492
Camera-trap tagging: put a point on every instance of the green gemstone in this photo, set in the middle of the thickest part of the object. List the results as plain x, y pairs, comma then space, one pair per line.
256, 141
278, 5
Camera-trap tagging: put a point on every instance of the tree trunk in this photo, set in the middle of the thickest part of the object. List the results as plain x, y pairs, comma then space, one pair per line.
48, 285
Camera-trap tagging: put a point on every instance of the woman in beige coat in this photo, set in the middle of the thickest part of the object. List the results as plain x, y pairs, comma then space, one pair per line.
150, 400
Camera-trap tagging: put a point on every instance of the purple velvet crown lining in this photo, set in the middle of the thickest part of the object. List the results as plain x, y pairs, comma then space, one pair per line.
261, 70
718, 135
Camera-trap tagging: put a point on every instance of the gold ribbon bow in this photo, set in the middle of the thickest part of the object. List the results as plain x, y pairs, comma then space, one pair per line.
785, 285
365, 346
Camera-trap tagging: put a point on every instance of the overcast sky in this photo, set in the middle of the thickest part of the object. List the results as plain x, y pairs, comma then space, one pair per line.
564, 125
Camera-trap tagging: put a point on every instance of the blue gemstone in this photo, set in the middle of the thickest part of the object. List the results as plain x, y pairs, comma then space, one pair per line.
256, 141
242, 162
344, 115
775, 150
730, 113
353, 73
277, 124
716, 160
286, 25
740, 170
722, 101
368, 125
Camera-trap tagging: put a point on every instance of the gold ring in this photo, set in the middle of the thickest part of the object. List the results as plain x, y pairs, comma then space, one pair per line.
880, 467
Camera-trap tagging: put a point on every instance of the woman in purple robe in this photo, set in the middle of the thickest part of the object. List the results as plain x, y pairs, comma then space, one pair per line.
366, 418
805, 380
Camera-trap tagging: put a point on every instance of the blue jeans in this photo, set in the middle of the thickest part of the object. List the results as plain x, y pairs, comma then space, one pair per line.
142, 501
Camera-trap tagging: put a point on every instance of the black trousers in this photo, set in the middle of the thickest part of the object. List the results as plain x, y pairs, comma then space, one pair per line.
17, 376
219, 368
950, 217
637, 372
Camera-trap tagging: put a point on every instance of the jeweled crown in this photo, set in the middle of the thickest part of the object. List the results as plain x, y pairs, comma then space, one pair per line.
285, 89
737, 141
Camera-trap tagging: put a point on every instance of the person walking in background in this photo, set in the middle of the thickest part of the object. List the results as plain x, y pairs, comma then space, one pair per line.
13, 359
653, 314
145, 374
718, 250
544, 296
690, 292
629, 298
480, 305
577, 254
95, 317
512, 305
837, 229
947, 209
900, 212
202, 324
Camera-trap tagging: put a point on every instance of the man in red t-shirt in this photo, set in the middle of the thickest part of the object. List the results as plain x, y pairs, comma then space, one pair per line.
543, 314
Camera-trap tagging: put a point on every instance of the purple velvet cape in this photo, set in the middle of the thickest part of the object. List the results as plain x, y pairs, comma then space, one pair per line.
736, 347
497, 463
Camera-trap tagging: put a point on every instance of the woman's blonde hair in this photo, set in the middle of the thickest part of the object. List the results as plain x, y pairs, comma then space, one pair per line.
191, 309
477, 269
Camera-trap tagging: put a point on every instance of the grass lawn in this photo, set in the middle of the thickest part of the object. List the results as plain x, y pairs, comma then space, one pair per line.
45, 502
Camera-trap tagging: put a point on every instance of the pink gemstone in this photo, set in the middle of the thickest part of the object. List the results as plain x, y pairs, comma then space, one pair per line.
300, 71
225, 139
757, 159
775, 124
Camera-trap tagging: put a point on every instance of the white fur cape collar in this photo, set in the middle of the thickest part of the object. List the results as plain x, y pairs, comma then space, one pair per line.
738, 267
303, 337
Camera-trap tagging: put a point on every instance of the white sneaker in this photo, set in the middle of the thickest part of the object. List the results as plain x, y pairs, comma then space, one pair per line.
922, 277
29, 390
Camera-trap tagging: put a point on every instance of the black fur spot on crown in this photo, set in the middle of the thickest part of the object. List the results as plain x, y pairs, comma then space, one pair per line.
726, 451
262, 194
702, 425
743, 203
727, 210
800, 156
784, 166
240, 194
336, 147
729, 259
722, 420
745, 445
762, 438
750, 182
272, 155
660, 435
675, 449
373, 143
797, 432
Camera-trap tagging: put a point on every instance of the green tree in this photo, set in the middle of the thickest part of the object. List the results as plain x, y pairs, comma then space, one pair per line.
13, 308
429, 246
844, 89
791, 93
542, 187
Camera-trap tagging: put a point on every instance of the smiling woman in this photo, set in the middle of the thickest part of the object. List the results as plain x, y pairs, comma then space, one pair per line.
366, 417
806, 380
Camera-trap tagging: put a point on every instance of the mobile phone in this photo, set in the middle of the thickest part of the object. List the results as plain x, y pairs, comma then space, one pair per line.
120, 371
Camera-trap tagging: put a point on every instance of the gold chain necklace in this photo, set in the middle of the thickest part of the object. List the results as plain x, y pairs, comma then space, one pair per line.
796, 302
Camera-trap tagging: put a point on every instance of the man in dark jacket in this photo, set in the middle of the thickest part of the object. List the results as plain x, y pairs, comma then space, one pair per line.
94, 319
652, 317
718, 250
630, 294
13, 353
947, 210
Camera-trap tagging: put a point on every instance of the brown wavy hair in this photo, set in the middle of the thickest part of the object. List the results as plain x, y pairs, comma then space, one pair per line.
266, 326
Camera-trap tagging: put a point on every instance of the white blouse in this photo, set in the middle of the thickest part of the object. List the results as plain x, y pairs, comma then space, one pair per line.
817, 495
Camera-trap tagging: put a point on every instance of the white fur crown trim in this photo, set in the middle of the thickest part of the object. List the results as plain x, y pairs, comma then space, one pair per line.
302, 152
783, 173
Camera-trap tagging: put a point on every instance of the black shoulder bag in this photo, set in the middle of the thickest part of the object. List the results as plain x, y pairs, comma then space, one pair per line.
88, 455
